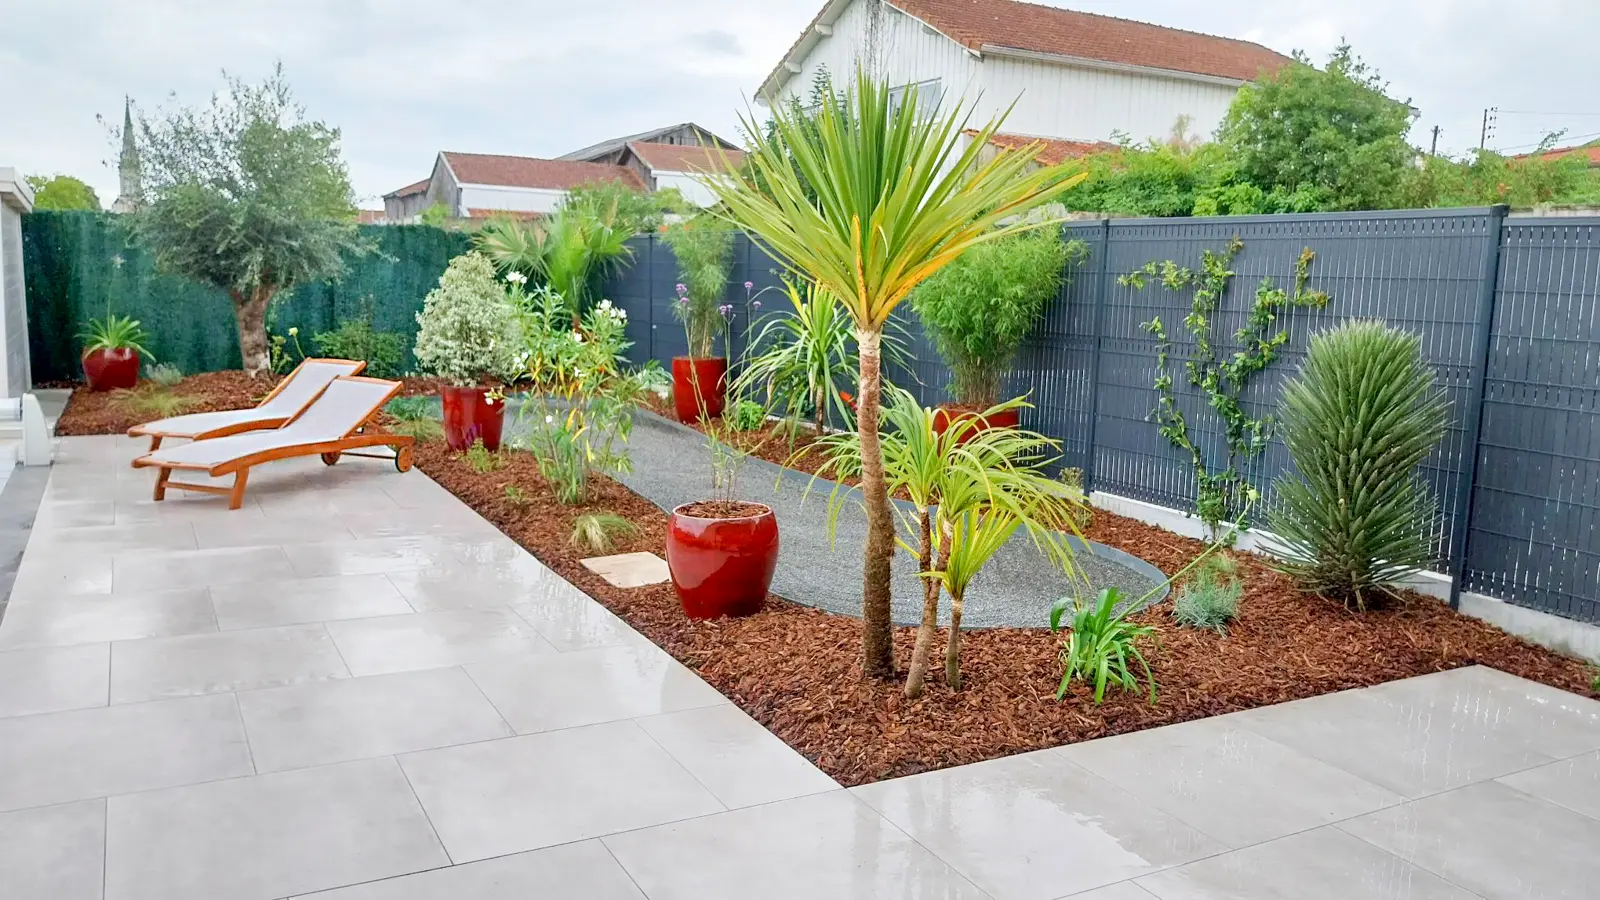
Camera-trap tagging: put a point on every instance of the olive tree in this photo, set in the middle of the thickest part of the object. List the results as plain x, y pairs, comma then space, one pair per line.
246, 194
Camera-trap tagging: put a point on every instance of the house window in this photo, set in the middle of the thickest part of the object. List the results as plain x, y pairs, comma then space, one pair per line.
928, 95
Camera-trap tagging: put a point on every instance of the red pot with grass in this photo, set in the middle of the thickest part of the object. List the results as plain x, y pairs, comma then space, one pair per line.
698, 380
471, 415
721, 555
947, 414
110, 370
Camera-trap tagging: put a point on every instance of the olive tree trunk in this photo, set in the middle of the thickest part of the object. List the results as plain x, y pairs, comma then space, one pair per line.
250, 316
877, 636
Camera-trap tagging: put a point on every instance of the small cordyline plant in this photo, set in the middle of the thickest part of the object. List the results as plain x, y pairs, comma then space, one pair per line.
468, 329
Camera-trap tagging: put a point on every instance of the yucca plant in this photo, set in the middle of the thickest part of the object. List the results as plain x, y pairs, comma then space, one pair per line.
1355, 518
867, 198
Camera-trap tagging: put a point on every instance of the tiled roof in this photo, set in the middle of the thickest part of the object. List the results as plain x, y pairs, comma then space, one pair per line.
528, 172
1064, 32
1051, 150
409, 189
523, 215
684, 158
370, 216
1589, 151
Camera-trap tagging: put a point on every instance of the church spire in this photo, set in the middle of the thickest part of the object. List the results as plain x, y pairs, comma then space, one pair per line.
128, 165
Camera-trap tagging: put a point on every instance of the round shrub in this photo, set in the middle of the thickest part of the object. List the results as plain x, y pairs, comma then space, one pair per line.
467, 329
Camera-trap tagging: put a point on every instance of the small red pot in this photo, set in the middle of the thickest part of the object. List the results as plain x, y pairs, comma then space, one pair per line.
721, 567
108, 370
470, 416
697, 380
948, 413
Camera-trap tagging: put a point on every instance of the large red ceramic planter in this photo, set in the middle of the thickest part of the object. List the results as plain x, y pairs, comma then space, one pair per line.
470, 416
722, 567
697, 380
109, 370
948, 414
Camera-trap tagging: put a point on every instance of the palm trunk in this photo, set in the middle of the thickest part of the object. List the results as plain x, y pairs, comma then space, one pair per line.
877, 637
952, 647
930, 610
250, 317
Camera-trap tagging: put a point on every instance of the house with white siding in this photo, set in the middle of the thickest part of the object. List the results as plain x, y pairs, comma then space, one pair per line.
1077, 78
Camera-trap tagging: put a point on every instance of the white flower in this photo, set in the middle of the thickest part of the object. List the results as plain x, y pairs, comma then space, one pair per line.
605, 304
577, 337
622, 314
577, 373
516, 278
549, 419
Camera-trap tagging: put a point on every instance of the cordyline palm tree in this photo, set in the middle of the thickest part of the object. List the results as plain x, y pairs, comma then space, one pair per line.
896, 198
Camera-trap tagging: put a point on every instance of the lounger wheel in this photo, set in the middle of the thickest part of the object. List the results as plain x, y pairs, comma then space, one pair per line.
402, 460
329, 459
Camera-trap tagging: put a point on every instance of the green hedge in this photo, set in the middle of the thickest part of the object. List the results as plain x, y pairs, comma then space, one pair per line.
74, 261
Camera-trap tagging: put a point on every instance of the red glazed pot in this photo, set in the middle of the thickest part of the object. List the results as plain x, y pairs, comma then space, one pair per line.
470, 416
946, 414
108, 370
722, 567
709, 374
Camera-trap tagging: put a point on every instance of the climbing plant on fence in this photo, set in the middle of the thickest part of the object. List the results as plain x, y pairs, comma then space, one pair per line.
75, 261
1221, 378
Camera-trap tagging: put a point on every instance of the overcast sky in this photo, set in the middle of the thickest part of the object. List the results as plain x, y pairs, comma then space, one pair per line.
405, 79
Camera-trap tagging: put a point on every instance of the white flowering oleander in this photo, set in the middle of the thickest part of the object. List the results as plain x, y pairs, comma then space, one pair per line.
467, 328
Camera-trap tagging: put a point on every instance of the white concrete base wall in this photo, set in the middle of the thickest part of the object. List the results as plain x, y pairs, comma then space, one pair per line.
1565, 636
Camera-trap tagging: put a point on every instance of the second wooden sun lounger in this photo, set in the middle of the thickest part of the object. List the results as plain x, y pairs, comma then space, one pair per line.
289, 397
332, 425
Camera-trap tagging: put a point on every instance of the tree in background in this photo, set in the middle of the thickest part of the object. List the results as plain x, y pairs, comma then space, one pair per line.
1332, 133
248, 195
636, 211
1486, 177
62, 192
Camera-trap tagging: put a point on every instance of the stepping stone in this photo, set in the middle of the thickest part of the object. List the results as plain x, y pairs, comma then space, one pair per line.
628, 570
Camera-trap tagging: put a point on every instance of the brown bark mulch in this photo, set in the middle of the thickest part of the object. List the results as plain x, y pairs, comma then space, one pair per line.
797, 670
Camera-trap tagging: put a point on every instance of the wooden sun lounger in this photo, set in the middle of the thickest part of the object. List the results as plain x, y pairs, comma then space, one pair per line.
290, 396
329, 426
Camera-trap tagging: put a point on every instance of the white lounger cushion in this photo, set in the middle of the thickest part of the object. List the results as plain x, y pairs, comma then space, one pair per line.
306, 381
342, 408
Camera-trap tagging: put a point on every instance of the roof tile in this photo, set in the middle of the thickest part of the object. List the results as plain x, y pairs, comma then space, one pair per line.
683, 157
528, 172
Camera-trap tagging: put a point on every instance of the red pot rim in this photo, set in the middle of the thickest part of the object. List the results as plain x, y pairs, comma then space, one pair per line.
700, 358
766, 511
108, 350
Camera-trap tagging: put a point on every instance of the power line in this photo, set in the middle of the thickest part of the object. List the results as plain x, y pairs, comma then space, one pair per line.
1524, 112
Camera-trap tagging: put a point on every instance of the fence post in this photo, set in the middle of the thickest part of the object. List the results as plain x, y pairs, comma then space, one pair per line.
1483, 329
1102, 289
650, 296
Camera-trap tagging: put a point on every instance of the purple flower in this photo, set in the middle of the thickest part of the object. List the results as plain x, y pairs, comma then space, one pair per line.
755, 304
749, 284
681, 289
683, 301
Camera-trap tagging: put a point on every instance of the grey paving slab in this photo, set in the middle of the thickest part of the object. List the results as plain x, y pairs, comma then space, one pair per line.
44, 575
523, 793
1229, 782
1573, 783
369, 555
268, 836
1321, 864
275, 531
76, 513
53, 852
170, 569
740, 762
53, 679
1494, 840
188, 507
293, 601
458, 584
1122, 890
583, 870
828, 845
1423, 735
570, 620
562, 690
112, 539
356, 718
1035, 826
226, 661
433, 639
62, 619
19, 504
79, 755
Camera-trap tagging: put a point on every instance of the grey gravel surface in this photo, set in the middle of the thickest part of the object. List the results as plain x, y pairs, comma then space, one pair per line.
672, 466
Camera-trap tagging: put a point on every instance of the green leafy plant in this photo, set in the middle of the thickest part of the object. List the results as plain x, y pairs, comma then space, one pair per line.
746, 415
569, 252
164, 375
516, 496
414, 416
704, 248
1355, 516
1210, 599
481, 460
866, 197
1594, 683
281, 359
150, 401
356, 338
981, 307
598, 532
467, 329
114, 332
1103, 646
1082, 512
1221, 378
62, 192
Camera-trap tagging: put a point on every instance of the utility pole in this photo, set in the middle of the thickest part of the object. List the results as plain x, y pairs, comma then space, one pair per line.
1489, 116
1434, 150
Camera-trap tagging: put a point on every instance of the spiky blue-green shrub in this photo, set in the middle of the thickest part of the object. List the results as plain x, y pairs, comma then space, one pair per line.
1356, 517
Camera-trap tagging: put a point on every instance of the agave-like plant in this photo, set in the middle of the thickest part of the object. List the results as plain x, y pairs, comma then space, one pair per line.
867, 198
1364, 412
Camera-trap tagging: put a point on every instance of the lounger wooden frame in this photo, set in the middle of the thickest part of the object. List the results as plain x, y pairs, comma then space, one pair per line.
252, 424
330, 451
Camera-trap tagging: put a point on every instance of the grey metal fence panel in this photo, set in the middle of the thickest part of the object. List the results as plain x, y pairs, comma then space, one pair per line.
1535, 535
